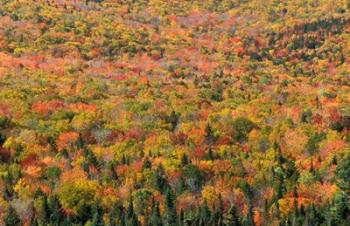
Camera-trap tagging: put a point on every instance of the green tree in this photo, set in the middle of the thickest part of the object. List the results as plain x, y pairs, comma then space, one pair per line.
242, 126
11, 218
184, 160
54, 207
147, 164
231, 218
97, 216
193, 177
169, 216
79, 197
41, 209
204, 214
209, 135
131, 217
117, 215
155, 219
160, 181
173, 119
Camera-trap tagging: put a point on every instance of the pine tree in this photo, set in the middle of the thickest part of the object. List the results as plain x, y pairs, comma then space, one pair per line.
52, 144
173, 119
97, 217
147, 164
184, 160
117, 214
210, 154
11, 218
131, 218
114, 175
111, 220
80, 142
231, 218
248, 194
295, 213
220, 211
155, 219
67, 221
209, 135
204, 214
133, 221
54, 206
161, 182
34, 222
181, 218
169, 216
341, 206
42, 210
266, 214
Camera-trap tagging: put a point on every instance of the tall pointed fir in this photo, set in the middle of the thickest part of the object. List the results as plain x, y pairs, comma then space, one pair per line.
232, 218
155, 219
169, 216
131, 218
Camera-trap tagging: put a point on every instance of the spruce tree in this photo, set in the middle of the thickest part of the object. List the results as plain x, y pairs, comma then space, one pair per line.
131, 218
155, 219
54, 206
209, 135
184, 160
11, 218
169, 217
173, 119
220, 211
204, 214
97, 217
161, 182
147, 164
181, 218
232, 218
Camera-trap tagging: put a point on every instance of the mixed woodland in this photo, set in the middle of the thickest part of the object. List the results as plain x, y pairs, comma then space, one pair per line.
175, 112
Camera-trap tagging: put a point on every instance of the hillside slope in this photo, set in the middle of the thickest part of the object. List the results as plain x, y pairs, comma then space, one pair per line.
163, 112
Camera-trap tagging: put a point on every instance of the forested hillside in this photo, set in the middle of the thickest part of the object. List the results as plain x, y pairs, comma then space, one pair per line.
175, 112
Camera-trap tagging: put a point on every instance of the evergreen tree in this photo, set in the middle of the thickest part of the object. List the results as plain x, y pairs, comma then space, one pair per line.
114, 175
266, 214
67, 221
41, 208
220, 211
54, 206
111, 220
131, 218
116, 216
169, 217
343, 174
173, 119
97, 217
147, 164
204, 214
161, 182
210, 155
52, 144
11, 218
181, 218
34, 222
155, 219
341, 204
248, 194
184, 160
232, 218
80, 144
209, 135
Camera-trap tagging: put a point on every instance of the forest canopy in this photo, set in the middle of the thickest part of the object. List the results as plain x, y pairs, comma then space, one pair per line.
174, 112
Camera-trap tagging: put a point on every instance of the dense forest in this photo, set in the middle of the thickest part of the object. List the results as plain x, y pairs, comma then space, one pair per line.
175, 112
